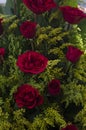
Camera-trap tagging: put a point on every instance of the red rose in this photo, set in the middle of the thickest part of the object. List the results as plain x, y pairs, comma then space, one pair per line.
73, 54
32, 62
54, 87
28, 29
39, 6
27, 96
1, 28
2, 51
70, 127
72, 15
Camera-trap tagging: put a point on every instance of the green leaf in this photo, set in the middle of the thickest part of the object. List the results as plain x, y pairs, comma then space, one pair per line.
73, 3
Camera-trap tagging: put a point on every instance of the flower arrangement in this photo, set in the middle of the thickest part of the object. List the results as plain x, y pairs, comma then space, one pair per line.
42, 67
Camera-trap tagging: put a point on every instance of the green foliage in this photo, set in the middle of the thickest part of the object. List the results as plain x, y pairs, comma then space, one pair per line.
80, 70
25, 14
75, 37
50, 117
73, 93
75, 87
52, 38
83, 31
71, 3
81, 118
15, 121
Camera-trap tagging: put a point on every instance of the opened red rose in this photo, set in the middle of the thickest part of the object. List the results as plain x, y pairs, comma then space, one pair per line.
70, 127
54, 87
39, 6
72, 15
2, 51
28, 29
27, 96
1, 28
73, 54
32, 62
